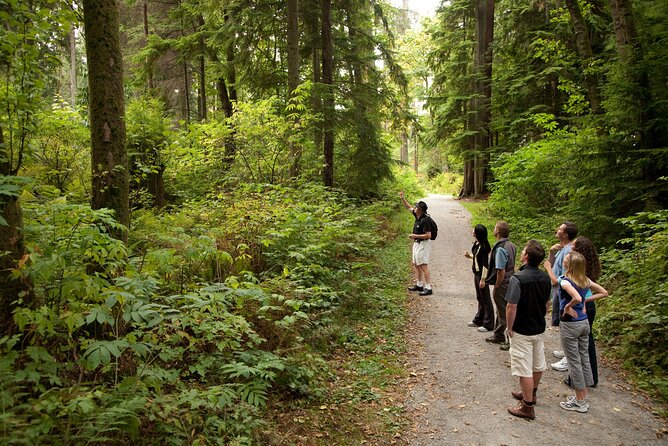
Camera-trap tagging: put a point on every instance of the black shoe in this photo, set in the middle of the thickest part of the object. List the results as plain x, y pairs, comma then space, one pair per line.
495, 340
415, 288
426, 292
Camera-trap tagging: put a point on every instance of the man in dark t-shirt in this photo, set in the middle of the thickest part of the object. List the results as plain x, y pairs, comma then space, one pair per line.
421, 237
527, 299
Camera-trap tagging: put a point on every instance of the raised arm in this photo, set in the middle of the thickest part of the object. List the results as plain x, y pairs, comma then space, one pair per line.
598, 292
405, 202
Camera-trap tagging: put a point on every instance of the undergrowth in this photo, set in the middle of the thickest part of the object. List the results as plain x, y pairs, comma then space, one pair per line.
213, 314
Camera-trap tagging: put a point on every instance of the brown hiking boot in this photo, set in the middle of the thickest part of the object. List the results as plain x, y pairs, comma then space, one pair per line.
522, 410
520, 397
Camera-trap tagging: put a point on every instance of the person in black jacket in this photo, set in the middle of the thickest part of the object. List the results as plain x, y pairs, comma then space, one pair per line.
484, 318
528, 297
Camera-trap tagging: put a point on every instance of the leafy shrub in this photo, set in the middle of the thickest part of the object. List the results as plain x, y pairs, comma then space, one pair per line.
60, 155
173, 338
568, 175
633, 321
446, 183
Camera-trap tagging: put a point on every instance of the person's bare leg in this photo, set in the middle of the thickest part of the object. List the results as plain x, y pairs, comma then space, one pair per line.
419, 279
527, 386
425, 274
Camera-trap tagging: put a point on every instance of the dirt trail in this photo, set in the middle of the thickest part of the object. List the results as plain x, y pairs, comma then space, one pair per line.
459, 387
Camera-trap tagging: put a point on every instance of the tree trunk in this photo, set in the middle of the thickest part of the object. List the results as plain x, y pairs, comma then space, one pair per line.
416, 161
484, 15
328, 102
316, 101
586, 54
12, 248
293, 74
73, 67
201, 103
149, 67
110, 182
404, 145
186, 93
625, 30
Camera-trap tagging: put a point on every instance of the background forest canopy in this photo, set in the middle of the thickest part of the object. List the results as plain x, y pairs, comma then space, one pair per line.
184, 184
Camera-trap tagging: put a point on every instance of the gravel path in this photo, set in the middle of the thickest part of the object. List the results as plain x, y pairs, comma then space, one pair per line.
459, 385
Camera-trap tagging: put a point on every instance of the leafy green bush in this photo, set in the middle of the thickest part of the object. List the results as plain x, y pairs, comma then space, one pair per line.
633, 321
560, 177
446, 183
174, 338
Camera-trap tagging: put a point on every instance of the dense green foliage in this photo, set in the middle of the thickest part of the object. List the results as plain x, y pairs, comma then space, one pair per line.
175, 338
634, 318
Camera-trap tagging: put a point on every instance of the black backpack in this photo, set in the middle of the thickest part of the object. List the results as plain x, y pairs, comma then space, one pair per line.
434, 227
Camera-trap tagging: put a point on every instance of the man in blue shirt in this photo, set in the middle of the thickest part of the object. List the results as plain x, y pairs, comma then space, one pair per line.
566, 233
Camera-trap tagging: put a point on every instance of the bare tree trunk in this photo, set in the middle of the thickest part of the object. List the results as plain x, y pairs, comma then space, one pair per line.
404, 145
328, 102
416, 161
12, 248
585, 53
73, 67
316, 100
186, 93
625, 30
149, 68
484, 11
293, 74
110, 182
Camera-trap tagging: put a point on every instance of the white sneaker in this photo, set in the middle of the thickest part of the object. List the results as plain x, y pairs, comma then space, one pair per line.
559, 354
572, 404
482, 329
472, 324
561, 365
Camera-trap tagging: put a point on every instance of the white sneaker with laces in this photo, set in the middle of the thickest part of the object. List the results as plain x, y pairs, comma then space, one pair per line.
482, 330
561, 365
559, 354
572, 403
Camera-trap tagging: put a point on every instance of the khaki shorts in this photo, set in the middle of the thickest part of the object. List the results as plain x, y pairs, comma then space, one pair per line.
527, 355
421, 252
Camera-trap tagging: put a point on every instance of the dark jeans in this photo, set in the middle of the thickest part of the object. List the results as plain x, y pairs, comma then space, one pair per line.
485, 315
591, 315
555, 308
500, 303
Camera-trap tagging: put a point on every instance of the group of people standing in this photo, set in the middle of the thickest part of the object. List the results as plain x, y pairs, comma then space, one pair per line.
522, 299
516, 309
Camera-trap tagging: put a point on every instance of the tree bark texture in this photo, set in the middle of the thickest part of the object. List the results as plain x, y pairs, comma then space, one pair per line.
624, 26
586, 54
110, 183
481, 103
328, 100
73, 67
293, 73
149, 64
315, 38
404, 145
12, 248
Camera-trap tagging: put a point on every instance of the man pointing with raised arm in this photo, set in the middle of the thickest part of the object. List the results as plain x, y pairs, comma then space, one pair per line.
421, 237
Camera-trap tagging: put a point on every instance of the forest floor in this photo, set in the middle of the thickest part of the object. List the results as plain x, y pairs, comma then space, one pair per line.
458, 388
